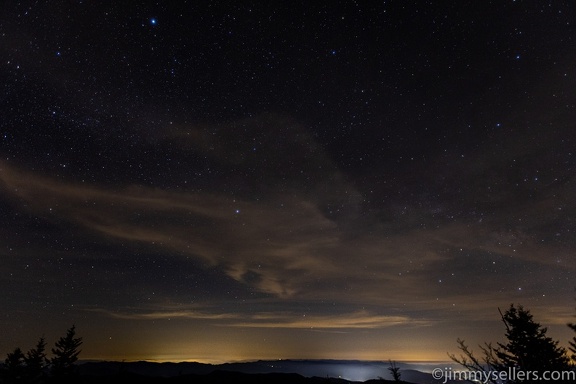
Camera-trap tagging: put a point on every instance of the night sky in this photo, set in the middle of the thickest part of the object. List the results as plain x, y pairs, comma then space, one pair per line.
222, 181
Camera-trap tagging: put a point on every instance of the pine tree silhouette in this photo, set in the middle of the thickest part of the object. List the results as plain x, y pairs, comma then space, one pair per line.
36, 361
65, 354
527, 348
13, 370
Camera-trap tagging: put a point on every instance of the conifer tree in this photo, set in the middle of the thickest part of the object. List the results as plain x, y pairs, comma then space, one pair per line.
65, 354
36, 361
527, 348
13, 370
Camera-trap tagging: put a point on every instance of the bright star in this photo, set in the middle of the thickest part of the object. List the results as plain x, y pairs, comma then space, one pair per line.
153, 21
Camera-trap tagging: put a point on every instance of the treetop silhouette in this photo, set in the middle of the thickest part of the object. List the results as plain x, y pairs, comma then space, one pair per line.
35, 367
527, 348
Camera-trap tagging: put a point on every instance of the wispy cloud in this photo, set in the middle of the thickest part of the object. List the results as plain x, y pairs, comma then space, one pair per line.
356, 320
136, 314
353, 320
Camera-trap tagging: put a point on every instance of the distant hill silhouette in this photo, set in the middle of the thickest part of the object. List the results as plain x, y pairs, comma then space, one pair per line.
263, 372
218, 377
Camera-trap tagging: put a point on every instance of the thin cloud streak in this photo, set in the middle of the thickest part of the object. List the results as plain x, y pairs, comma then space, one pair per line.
160, 315
355, 320
358, 320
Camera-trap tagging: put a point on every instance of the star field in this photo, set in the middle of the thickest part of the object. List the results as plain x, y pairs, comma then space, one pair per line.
227, 181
